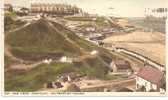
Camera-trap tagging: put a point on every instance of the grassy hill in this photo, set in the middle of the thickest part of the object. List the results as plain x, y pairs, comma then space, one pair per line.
10, 23
40, 40
43, 39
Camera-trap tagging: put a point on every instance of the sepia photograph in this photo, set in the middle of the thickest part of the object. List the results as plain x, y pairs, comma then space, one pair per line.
84, 47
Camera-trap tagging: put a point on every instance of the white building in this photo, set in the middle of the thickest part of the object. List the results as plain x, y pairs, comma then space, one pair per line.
8, 7
94, 52
90, 29
65, 59
149, 79
47, 61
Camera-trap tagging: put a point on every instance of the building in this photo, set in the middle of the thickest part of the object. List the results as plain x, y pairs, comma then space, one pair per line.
8, 8
149, 79
58, 85
49, 85
120, 66
55, 85
156, 12
96, 36
90, 29
94, 52
24, 10
47, 61
54, 9
66, 59
67, 77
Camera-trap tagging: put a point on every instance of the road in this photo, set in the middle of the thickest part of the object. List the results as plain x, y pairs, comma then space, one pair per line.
110, 85
21, 65
138, 56
135, 55
104, 85
25, 67
145, 59
122, 50
9, 54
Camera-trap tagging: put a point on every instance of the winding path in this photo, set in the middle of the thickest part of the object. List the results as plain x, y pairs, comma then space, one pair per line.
19, 27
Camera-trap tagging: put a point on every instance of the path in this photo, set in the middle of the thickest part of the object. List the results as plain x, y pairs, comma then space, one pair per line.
16, 29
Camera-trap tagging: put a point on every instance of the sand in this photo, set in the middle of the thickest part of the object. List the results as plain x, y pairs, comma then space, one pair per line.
148, 44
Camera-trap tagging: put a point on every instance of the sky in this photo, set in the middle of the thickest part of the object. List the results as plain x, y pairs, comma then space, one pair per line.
122, 8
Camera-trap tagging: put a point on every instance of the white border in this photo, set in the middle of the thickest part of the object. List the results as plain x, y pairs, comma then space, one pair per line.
2, 45
69, 93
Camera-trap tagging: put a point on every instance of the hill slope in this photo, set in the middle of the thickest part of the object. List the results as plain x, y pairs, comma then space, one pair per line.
39, 40
43, 39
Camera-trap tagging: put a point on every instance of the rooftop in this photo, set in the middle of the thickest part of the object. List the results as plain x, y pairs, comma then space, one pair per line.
151, 74
122, 64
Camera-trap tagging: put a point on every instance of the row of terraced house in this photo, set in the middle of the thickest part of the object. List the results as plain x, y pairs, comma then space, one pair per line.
46, 8
59, 9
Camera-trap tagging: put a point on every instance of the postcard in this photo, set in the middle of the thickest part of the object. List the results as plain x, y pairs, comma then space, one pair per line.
84, 47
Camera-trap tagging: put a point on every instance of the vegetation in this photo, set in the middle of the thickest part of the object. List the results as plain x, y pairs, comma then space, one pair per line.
101, 21
36, 78
10, 23
79, 41
44, 39
33, 80
79, 18
11, 14
40, 39
156, 24
9, 61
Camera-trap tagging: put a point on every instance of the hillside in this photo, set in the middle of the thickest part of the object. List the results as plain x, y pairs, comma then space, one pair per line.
45, 39
39, 40
35, 79
10, 22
